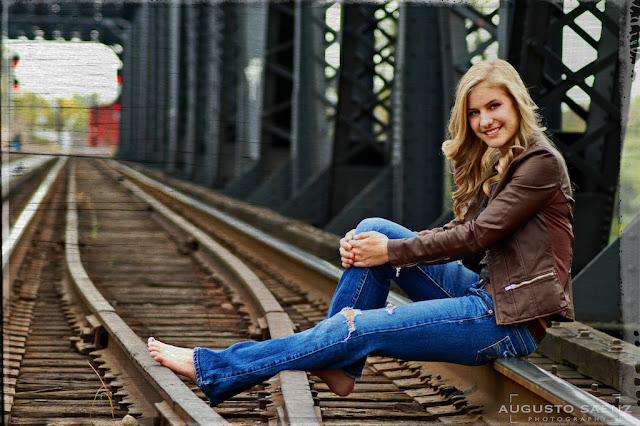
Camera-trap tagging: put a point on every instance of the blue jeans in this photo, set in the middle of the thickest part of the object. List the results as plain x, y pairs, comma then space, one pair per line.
451, 319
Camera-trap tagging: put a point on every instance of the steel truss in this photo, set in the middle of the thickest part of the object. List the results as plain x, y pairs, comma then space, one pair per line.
330, 112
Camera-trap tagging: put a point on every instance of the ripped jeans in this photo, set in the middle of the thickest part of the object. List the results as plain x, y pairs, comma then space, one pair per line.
451, 319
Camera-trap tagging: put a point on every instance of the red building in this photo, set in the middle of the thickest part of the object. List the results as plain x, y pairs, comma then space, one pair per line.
104, 125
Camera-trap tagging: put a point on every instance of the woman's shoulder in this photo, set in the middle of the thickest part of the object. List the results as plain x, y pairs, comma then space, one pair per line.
544, 163
542, 147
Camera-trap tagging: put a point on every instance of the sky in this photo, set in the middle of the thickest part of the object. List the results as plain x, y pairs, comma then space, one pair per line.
60, 69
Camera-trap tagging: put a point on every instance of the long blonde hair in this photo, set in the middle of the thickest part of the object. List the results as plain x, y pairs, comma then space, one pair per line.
475, 165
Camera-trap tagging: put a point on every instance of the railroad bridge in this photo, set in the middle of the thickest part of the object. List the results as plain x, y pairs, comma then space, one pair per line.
328, 112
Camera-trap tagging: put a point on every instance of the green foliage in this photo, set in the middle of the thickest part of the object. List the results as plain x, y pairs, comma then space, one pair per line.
571, 122
34, 112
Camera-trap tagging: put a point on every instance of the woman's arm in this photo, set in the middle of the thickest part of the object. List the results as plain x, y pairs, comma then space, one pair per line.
531, 184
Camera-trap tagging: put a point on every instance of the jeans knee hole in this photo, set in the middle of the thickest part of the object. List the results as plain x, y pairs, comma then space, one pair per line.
350, 314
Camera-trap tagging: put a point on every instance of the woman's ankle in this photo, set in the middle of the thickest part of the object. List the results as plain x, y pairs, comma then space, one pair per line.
337, 380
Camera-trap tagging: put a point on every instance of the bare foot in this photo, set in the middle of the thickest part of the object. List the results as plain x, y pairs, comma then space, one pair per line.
179, 360
338, 381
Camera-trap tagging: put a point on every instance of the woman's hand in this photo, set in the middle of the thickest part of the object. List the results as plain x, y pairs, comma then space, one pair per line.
369, 249
346, 256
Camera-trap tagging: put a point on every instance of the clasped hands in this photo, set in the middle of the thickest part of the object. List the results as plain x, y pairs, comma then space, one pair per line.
364, 249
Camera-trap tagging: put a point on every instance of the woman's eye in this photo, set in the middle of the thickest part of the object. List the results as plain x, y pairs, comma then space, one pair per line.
494, 106
472, 113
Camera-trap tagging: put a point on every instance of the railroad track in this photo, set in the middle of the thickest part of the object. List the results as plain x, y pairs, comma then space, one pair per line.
176, 277
21, 176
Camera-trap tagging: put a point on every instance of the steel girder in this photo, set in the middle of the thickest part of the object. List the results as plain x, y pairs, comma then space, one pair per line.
107, 23
245, 98
407, 182
593, 154
273, 186
140, 54
363, 138
297, 109
315, 75
173, 93
252, 30
208, 96
229, 66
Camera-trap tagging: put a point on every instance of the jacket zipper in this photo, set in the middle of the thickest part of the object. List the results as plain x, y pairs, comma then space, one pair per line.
539, 277
409, 265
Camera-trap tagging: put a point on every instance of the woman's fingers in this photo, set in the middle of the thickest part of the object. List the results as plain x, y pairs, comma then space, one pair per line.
369, 249
349, 235
346, 255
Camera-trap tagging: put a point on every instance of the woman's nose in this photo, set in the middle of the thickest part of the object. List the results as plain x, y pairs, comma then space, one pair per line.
485, 119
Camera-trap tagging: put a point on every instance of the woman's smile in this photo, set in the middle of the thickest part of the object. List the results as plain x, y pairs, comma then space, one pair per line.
492, 115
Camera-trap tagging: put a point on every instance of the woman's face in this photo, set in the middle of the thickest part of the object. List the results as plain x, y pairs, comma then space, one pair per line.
492, 115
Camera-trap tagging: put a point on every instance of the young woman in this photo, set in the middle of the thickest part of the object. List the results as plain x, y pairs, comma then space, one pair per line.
484, 286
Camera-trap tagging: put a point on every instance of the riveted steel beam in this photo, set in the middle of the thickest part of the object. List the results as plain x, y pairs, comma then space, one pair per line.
230, 87
173, 56
252, 20
274, 168
362, 142
593, 152
210, 49
314, 79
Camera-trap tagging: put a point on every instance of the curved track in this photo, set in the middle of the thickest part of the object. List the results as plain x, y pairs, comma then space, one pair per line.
141, 260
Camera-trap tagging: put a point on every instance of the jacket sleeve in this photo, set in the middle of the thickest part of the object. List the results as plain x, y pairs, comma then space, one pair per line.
530, 186
455, 222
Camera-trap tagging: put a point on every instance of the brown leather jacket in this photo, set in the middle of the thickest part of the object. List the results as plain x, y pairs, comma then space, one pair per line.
527, 232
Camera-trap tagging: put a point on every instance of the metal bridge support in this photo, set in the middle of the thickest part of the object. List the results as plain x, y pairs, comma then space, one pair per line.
126, 99
188, 110
360, 169
242, 97
250, 69
593, 155
306, 175
173, 54
228, 115
420, 116
208, 149
273, 168
140, 107
160, 83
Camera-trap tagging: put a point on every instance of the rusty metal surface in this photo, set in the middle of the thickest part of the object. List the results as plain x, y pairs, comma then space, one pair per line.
593, 353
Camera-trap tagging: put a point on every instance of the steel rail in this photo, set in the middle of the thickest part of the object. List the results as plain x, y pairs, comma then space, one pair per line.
18, 170
29, 212
173, 396
298, 401
559, 392
528, 375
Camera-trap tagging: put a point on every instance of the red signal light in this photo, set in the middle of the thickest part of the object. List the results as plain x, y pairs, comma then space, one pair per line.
117, 107
119, 79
